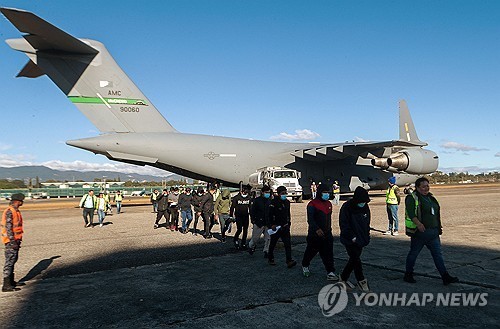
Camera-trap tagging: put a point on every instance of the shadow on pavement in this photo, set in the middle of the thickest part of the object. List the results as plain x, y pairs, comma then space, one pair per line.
214, 285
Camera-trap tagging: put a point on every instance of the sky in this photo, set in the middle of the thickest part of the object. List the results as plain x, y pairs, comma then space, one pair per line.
319, 71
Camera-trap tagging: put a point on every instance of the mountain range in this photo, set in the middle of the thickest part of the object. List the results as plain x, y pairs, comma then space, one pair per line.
45, 173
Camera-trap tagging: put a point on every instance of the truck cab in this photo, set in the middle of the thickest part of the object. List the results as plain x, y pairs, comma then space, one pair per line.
278, 176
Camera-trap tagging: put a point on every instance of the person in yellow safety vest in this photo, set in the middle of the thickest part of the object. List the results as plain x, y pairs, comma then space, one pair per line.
12, 235
118, 201
314, 190
423, 225
89, 203
336, 193
102, 205
154, 200
392, 200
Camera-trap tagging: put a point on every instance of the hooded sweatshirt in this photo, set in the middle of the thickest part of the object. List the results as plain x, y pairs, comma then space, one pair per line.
354, 221
223, 203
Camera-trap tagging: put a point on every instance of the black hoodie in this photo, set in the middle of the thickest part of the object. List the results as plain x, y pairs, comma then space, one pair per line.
354, 221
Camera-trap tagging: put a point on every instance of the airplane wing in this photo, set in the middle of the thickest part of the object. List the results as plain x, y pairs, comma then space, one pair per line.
405, 154
354, 149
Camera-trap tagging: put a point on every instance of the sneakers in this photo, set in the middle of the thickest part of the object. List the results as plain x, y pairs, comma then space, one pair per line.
87, 225
409, 278
349, 286
395, 233
388, 232
223, 240
271, 261
155, 226
332, 277
363, 285
447, 279
291, 263
236, 244
251, 250
305, 271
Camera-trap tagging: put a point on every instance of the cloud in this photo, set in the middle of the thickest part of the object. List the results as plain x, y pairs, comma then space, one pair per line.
28, 160
497, 154
461, 147
359, 139
5, 147
304, 134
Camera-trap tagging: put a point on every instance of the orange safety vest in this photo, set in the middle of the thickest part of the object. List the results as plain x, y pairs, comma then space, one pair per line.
17, 225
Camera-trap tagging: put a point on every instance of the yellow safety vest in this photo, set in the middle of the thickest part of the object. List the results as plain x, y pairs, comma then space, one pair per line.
410, 225
390, 195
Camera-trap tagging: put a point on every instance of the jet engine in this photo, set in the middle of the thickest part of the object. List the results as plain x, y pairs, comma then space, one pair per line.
411, 161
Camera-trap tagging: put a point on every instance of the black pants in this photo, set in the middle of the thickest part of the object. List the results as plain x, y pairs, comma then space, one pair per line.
196, 216
354, 263
284, 234
174, 216
241, 225
208, 221
323, 245
160, 214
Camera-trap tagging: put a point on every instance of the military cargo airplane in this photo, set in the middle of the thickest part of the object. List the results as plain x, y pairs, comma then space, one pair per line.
131, 126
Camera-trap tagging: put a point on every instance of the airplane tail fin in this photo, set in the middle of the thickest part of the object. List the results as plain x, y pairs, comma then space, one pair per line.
87, 74
407, 130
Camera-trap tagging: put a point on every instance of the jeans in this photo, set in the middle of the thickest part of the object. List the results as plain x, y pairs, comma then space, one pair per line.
224, 224
336, 199
101, 214
88, 212
430, 239
392, 215
323, 245
186, 215
118, 206
155, 206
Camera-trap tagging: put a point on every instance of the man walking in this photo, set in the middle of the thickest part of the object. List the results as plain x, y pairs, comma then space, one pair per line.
118, 201
279, 221
392, 200
259, 215
336, 193
185, 202
319, 234
89, 203
162, 206
12, 235
207, 205
240, 210
154, 200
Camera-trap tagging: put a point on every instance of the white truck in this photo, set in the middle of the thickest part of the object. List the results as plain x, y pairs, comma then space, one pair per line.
278, 176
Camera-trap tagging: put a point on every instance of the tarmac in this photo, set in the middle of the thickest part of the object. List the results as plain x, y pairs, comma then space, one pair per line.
129, 275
